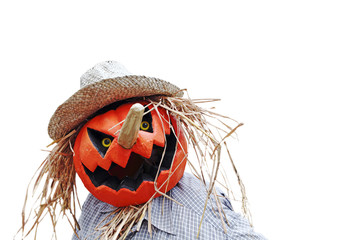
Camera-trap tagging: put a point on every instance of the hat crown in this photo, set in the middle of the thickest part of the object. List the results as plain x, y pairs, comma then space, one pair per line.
105, 83
103, 70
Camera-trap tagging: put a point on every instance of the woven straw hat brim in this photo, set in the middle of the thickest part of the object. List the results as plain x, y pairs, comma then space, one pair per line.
93, 97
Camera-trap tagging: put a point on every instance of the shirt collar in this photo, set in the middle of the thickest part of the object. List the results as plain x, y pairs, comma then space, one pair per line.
160, 213
106, 208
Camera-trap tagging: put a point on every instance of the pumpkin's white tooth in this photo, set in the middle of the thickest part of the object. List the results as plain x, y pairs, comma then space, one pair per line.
130, 129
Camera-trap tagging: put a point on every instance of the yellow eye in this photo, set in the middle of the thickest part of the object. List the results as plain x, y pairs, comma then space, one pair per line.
106, 142
144, 125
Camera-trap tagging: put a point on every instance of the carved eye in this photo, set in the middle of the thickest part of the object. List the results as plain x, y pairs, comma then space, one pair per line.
144, 125
106, 142
100, 140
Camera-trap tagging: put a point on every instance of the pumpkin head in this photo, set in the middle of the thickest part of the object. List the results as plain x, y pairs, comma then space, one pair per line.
130, 176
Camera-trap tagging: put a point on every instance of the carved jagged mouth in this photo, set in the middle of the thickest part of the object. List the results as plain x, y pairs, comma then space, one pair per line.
137, 170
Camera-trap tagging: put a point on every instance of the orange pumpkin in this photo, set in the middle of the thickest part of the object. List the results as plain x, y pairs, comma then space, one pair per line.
121, 176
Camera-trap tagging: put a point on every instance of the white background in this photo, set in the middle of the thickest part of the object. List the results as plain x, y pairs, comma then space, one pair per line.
289, 70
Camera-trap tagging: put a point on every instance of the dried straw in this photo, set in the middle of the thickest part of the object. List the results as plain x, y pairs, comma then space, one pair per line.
56, 174
206, 133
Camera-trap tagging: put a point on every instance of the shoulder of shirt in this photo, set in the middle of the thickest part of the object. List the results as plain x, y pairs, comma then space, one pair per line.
192, 194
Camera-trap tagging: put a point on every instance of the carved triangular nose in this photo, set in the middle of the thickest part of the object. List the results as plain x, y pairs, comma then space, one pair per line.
130, 129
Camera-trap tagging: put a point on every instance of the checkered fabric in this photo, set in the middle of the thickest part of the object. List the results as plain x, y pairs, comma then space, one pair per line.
178, 222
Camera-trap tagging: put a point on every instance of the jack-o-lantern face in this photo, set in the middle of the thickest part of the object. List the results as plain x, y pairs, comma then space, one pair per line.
121, 176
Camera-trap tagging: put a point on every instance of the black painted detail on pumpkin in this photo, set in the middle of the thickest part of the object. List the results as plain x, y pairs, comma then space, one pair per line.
137, 170
96, 138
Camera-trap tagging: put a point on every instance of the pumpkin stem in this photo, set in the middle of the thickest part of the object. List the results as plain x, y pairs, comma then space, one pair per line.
130, 129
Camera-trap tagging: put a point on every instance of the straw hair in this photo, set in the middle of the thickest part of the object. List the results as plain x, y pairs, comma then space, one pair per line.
95, 96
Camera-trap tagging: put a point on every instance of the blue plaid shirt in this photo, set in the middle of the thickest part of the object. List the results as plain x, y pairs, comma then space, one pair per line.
178, 222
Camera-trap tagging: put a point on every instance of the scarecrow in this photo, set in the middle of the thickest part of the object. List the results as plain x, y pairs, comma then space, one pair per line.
127, 137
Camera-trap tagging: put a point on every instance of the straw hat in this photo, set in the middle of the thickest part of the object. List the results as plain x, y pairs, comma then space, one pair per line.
105, 83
